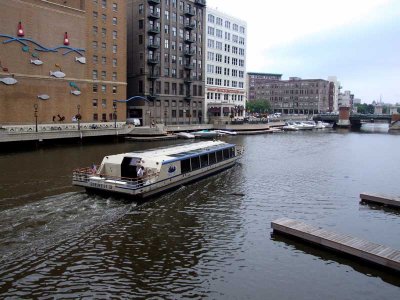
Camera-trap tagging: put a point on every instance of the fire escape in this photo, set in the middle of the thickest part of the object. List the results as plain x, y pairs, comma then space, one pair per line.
153, 57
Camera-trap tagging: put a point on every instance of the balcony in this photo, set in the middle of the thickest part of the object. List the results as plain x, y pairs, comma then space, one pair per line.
189, 13
153, 61
189, 40
189, 52
153, 45
153, 15
200, 2
155, 2
188, 67
188, 80
153, 75
190, 25
153, 30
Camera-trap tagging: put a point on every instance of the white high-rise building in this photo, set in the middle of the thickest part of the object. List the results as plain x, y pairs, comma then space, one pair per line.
225, 74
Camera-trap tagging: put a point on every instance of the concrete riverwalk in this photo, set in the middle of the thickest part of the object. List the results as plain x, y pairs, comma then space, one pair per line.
362, 249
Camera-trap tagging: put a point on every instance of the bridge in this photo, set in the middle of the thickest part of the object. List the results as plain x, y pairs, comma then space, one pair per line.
355, 119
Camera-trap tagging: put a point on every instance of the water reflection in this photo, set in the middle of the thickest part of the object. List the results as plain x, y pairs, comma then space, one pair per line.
340, 260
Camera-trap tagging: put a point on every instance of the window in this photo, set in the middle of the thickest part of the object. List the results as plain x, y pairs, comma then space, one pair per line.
95, 59
212, 159
140, 9
95, 117
114, 76
204, 160
95, 87
103, 46
115, 7
104, 18
94, 102
104, 103
114, 62
114, 48
114, 89
115, 35
114, 21
103, 3
94, 44
219, 155
103, 60
103, 75
185, 165
103, 88
95, 30
94, 74
195, 162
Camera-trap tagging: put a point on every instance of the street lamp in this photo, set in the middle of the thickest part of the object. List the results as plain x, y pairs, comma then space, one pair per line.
79, 117
35, 106
115, 114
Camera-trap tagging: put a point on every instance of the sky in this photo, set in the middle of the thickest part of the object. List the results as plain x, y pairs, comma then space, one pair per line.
358, 41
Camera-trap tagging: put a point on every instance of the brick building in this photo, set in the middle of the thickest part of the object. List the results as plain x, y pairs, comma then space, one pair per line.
293, 96
62, 56
166, 60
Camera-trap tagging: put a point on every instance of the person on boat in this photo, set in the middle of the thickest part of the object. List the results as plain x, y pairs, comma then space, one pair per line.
94, 169
140, 174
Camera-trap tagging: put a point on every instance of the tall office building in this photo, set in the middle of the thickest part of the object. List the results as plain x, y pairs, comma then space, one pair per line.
166, 60
226, 41
60, 58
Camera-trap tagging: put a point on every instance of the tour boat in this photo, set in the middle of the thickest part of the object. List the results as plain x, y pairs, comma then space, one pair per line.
164, 168
206, 134
289, 126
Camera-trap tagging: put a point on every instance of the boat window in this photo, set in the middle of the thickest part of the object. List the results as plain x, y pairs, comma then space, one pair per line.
204, 160
212, 158
128, 166
185, 165
195, 161
219, 156
232, 152
226, 153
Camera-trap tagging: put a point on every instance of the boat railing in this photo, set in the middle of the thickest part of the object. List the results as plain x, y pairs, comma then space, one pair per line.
87, 174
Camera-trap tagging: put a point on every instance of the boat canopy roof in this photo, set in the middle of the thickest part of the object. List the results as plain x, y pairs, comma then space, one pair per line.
170, 153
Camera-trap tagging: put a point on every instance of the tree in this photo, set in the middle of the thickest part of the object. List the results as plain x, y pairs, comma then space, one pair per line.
258, 106
365, 108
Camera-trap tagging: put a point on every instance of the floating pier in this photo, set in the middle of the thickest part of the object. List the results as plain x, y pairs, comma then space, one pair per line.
371, 252
381, 199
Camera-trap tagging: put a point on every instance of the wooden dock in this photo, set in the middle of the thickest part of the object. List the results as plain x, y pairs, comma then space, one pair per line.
371, 252
381, 199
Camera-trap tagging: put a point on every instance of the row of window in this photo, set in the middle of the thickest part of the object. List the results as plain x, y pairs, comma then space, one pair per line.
174, 88
211, 56
111, 117
103, 88
225, 97
219, 21
227, 71
182, 7
104, 4
95, 45
95, 75
219, 34
205, 160
95, 31
104, 18
226, 82
211, 44
104, 60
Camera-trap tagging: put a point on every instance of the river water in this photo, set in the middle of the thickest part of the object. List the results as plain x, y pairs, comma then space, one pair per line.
211, 239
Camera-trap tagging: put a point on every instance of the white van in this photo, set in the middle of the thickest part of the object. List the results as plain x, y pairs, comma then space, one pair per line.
134, 121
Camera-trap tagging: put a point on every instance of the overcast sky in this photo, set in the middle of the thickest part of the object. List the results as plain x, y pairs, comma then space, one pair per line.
356, 40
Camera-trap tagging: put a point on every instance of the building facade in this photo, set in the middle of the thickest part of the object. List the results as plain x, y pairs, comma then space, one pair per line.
226, 42
293, 96
166, 61
62, 59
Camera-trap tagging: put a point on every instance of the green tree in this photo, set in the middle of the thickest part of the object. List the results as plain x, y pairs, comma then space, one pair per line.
365, 108
258, 106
